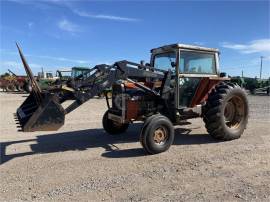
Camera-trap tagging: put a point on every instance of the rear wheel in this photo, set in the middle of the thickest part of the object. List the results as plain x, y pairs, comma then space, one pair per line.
19, 87
226, 112
27, 87
10, 88
112, 127
157, 134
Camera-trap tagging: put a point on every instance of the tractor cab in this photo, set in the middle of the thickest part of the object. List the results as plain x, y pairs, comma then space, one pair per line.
78, 71
74, 72
191, 65
64, 74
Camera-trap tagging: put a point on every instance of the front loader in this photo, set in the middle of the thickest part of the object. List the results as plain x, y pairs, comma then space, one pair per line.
181, 82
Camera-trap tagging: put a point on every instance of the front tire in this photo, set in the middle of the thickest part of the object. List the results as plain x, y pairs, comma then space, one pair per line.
226, 112
112, 127
157, 134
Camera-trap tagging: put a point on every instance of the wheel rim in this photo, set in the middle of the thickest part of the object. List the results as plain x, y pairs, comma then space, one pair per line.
160, 135
234, 112
10, 88
117, 125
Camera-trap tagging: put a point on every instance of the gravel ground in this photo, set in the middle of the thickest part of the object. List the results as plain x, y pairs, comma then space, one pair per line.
80, 162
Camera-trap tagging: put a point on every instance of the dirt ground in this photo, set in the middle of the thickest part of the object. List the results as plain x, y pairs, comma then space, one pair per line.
80, 162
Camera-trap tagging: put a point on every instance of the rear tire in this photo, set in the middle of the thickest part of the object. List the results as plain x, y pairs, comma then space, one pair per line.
28, 87
226, 112
112, 127
10, 88
19, 87
157, 134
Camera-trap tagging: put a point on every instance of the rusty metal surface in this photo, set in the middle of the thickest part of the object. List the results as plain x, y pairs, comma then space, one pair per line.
204, 87
132, 109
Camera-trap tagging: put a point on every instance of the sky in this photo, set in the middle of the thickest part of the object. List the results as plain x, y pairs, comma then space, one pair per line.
56, 34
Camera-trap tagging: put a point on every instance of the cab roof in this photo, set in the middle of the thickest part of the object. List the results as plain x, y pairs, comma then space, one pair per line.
182, 46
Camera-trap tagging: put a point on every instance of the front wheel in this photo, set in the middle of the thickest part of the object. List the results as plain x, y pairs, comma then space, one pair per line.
226, 112
10, 88
157, 134
112, 127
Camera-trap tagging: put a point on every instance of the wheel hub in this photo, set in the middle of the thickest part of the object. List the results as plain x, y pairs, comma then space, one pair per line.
234, 112
229, 111
160, 135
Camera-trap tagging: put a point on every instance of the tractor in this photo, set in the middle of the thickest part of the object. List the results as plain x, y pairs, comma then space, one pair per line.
181, 82
11, 82
66, 74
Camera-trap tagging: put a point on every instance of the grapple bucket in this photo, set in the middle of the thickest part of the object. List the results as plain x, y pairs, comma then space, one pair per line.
45, 116
41, 111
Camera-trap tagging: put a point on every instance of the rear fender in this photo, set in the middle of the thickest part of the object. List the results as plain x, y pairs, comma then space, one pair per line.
205, 86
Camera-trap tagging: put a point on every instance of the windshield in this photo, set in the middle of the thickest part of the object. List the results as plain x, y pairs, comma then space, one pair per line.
196, 62
164, 60
77, 72
64, 74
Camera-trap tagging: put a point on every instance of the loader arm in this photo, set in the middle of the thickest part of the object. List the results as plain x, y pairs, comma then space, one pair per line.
103, 76
12, 73
42, 110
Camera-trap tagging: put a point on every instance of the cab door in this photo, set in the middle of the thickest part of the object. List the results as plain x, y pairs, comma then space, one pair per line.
193, 66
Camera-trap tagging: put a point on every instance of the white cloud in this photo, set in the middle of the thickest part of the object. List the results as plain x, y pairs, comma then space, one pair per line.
45, 4
37, 4
17, 65
103, 16
255, 46
63, 59
68, 26
30, 25
10, 63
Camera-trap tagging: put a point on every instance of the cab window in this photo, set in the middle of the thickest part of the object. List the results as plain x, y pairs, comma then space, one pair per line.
164, 60
197, 63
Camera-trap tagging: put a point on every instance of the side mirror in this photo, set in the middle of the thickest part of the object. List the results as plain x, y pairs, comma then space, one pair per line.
173, 64
222, 74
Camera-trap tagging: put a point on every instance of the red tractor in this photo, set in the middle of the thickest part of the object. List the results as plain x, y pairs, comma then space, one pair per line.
180, 82
11, 82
